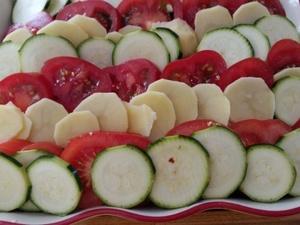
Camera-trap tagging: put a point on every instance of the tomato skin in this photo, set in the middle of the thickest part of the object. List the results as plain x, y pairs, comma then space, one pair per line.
102, 11
72, 80
201, 67
145, 13
254, 132
81, 152
24, 89
95, 142
251, 67
89, 199
133, 77
44, 146
190, 127
13, 146
285, 53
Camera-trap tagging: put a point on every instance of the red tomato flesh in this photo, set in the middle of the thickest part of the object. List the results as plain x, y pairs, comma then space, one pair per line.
81, 152
251, 67
13, 146
24, 89
285, 53
145, 13
254, 132
72, 80
190, 127
102, 11
133, 77
201, 67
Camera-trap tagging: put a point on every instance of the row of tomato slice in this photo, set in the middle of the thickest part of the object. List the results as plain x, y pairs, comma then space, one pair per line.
82, 150
142, 13
69, 80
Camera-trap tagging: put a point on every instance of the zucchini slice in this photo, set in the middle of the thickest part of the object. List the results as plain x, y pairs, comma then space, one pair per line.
270, 175
290, 143
122, 176
287, 99
14, 184
97, 51
40, 48
55, 185
142, 44
277, 28
227, 161
182, 171
230, 44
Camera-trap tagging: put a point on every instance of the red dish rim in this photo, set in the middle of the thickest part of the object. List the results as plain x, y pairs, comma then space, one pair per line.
196, 209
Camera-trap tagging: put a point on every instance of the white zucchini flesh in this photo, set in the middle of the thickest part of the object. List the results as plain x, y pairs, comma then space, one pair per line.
229, 43
290, 143
40, 48
171, 40
25, 158
277, 28
97, 51
257, 39
9, 59
270, 174
227, 161
288, 72
182, 171
55, 185
14, 184
122, 176
287, 99
142, 44
55, 6
25, 10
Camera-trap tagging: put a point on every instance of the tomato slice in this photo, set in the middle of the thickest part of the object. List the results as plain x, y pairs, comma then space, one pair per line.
254, 132
251, 67
285, 53
44, 146
73, 79
81, 152
133, 77
144, 13
102, 11
190, 127
13, 146
274, 6
201, 67
24, 89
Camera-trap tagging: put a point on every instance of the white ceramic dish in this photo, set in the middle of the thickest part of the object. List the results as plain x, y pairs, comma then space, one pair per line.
285, 207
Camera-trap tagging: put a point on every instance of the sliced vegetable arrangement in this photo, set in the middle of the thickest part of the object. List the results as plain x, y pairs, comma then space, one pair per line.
161, 101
